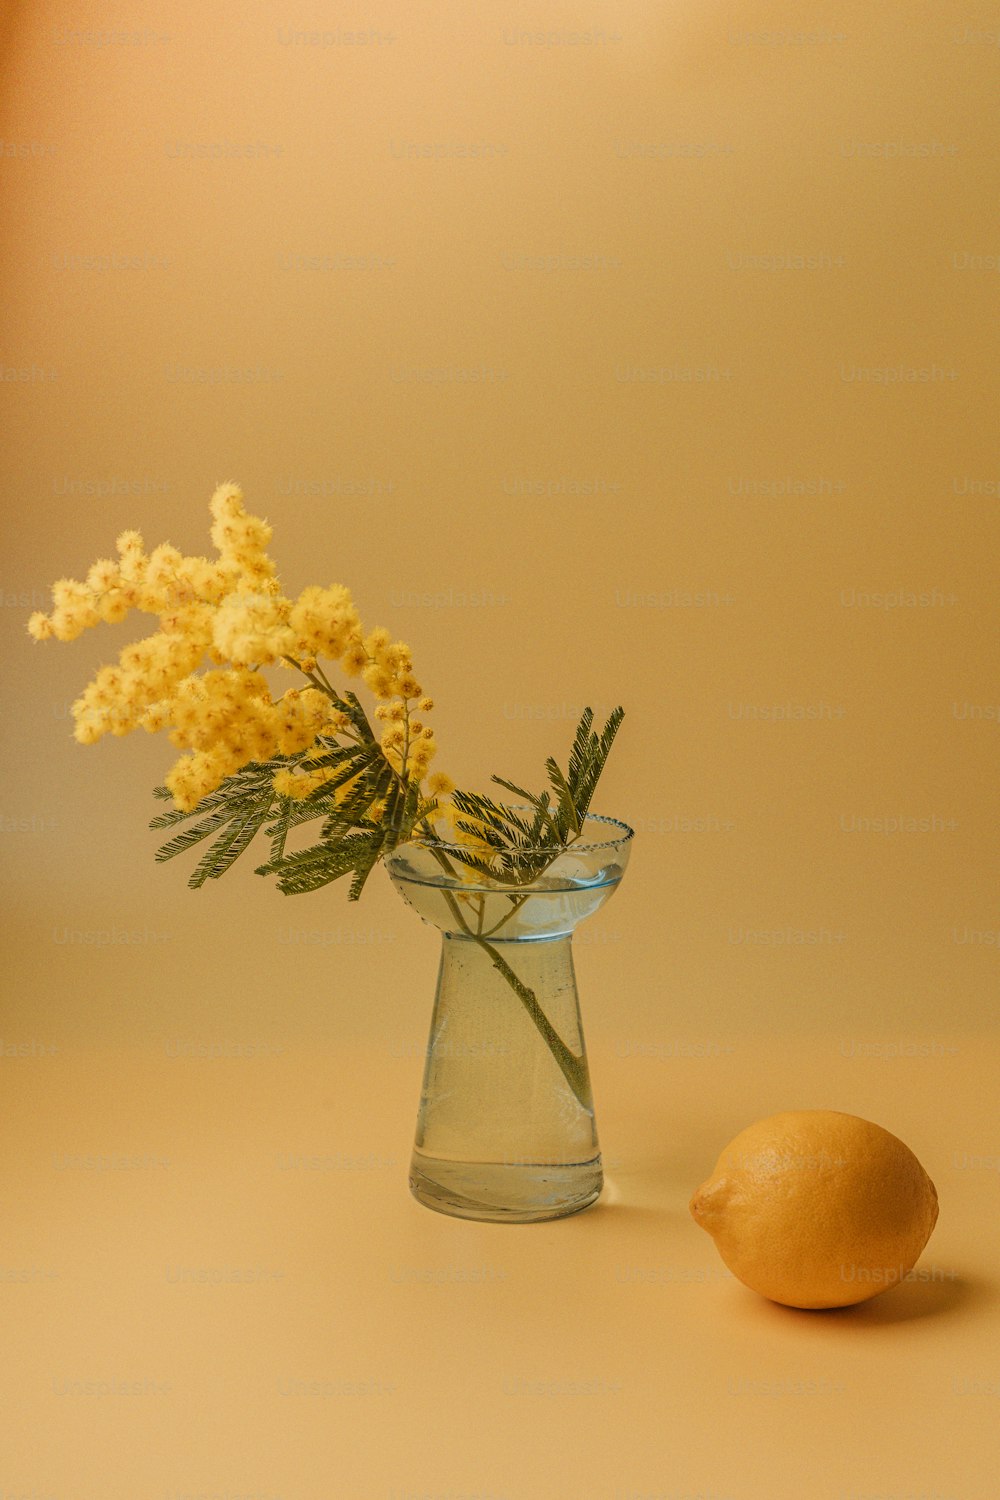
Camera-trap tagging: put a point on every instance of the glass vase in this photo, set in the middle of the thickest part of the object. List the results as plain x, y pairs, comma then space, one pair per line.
506, 1129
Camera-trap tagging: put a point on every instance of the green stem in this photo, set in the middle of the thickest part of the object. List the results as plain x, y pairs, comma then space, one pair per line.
574, 1069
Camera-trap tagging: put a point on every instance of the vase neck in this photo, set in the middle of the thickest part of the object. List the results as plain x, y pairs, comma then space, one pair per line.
498, 940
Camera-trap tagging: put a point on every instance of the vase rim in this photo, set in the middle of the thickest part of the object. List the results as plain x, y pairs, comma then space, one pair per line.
579, 846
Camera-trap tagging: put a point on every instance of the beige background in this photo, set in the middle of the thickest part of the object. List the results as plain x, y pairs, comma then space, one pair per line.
567, 357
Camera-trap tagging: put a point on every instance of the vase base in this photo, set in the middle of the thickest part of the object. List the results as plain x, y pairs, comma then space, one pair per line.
501, 1193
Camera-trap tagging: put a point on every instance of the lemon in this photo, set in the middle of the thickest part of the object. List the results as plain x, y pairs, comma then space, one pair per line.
815, 1208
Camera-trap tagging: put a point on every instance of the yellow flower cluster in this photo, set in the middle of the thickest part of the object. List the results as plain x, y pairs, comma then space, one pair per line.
231, 611
298, 784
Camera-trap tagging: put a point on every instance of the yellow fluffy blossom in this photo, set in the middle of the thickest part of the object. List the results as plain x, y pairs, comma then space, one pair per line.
252, 629
355, 658
102, 576
324, 622
300, 716
299, 784
40, 626
197, 677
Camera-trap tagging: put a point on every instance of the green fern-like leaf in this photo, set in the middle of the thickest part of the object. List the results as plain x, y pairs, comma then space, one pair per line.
225, 851
309, 869
366, 811
194, 835
522, 844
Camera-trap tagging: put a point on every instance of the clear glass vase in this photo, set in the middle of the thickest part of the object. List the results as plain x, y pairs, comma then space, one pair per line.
506, 1129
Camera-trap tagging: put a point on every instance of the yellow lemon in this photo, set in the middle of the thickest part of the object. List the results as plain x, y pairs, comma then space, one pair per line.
815, 1208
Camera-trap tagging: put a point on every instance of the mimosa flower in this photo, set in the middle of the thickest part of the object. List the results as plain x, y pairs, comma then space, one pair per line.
197, 677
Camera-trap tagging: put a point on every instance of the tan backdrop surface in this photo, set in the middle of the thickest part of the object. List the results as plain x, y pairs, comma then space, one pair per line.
638, 353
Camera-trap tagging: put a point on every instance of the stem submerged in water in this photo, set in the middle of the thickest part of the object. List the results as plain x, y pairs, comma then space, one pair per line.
574, 1069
